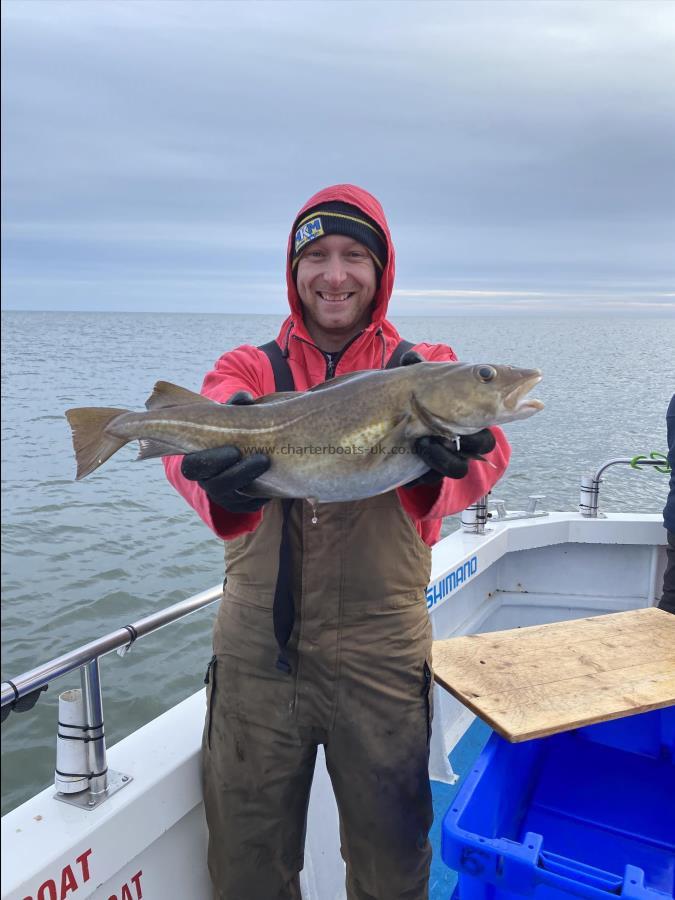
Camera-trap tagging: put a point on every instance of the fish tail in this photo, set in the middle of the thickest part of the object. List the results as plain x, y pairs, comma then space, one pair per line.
91, 442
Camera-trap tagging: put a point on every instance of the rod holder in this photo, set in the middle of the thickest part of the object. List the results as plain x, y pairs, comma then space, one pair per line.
72, 759
475, 516
82, 777
589, 495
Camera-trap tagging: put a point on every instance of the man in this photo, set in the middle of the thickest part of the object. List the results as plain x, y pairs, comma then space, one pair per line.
354, 664
668, 596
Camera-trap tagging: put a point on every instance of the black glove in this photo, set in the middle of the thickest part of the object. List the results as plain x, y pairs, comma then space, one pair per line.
443, 459
222, 473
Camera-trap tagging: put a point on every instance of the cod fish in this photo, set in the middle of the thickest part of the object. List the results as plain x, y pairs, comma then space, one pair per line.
346, 439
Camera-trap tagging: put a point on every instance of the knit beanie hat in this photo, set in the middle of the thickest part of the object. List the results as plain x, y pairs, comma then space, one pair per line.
336, 217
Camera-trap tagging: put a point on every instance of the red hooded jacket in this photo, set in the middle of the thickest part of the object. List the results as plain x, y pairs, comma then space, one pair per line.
247, 368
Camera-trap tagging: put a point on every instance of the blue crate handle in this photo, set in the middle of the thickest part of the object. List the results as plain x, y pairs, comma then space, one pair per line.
561, 868
591, 883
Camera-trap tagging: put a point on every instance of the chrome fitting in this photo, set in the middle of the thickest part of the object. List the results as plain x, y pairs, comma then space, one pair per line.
474, 517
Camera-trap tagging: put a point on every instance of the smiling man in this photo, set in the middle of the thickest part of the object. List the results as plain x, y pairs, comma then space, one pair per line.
323, 635
337, 261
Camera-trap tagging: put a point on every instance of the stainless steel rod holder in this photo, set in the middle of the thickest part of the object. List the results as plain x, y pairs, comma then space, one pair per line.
101, 782
475, 516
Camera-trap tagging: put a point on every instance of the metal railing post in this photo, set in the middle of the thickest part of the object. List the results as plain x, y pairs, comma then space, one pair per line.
90, 677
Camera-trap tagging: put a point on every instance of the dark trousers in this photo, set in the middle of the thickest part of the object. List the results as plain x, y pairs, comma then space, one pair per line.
668, 598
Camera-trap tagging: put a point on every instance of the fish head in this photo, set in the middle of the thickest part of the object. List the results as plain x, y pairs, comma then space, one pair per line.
464, 398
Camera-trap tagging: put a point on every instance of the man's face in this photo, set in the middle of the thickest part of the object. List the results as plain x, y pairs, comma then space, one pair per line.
337, 283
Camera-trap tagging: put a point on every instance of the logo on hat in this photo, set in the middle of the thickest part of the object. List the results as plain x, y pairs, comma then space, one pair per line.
308, 232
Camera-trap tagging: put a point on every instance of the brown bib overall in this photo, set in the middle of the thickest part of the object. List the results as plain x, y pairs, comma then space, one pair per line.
360, 685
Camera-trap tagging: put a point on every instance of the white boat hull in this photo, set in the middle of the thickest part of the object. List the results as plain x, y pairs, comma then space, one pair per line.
149, 840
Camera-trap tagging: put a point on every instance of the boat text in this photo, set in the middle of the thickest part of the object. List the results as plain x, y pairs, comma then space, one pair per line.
450, 582
74, 876
67, 883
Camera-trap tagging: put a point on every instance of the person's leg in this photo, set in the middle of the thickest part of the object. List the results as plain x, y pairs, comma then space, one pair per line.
377, 757
256, 778
668, 596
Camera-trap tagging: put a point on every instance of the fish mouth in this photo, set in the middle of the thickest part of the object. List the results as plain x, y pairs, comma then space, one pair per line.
515, 400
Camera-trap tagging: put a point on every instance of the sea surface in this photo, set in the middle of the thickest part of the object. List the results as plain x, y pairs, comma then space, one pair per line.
80, 559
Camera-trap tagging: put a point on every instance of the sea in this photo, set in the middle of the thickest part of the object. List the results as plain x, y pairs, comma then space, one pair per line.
80, 559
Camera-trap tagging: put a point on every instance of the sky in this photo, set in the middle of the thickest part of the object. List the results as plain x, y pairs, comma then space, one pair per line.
154, 154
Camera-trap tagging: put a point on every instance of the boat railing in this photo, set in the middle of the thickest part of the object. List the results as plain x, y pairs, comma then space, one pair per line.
82, 777
590, 483
475, 517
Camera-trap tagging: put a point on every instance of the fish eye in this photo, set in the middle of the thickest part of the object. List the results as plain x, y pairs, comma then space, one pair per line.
486, 373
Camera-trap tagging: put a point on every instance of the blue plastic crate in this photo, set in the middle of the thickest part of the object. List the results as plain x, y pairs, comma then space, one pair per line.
589, 813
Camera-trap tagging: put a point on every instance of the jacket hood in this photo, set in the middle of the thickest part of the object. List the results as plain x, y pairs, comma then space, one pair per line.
347, 193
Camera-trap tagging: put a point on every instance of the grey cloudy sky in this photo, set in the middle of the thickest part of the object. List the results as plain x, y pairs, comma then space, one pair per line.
155, 153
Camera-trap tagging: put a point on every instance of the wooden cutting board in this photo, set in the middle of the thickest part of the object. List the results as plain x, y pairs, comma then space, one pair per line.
531, 682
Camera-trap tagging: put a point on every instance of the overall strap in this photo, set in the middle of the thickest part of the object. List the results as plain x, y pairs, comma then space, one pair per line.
283, 610
395, 358
283, 377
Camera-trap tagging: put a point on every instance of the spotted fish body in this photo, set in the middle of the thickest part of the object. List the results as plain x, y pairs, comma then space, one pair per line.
347, 439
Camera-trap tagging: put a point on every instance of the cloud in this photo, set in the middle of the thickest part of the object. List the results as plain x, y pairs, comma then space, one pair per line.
529, 144
558, 303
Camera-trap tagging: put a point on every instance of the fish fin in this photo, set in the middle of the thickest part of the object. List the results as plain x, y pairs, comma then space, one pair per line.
166, 394
151, 449
429, 420
322, 386
277, 395
332, 382
396, 437
91, 442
